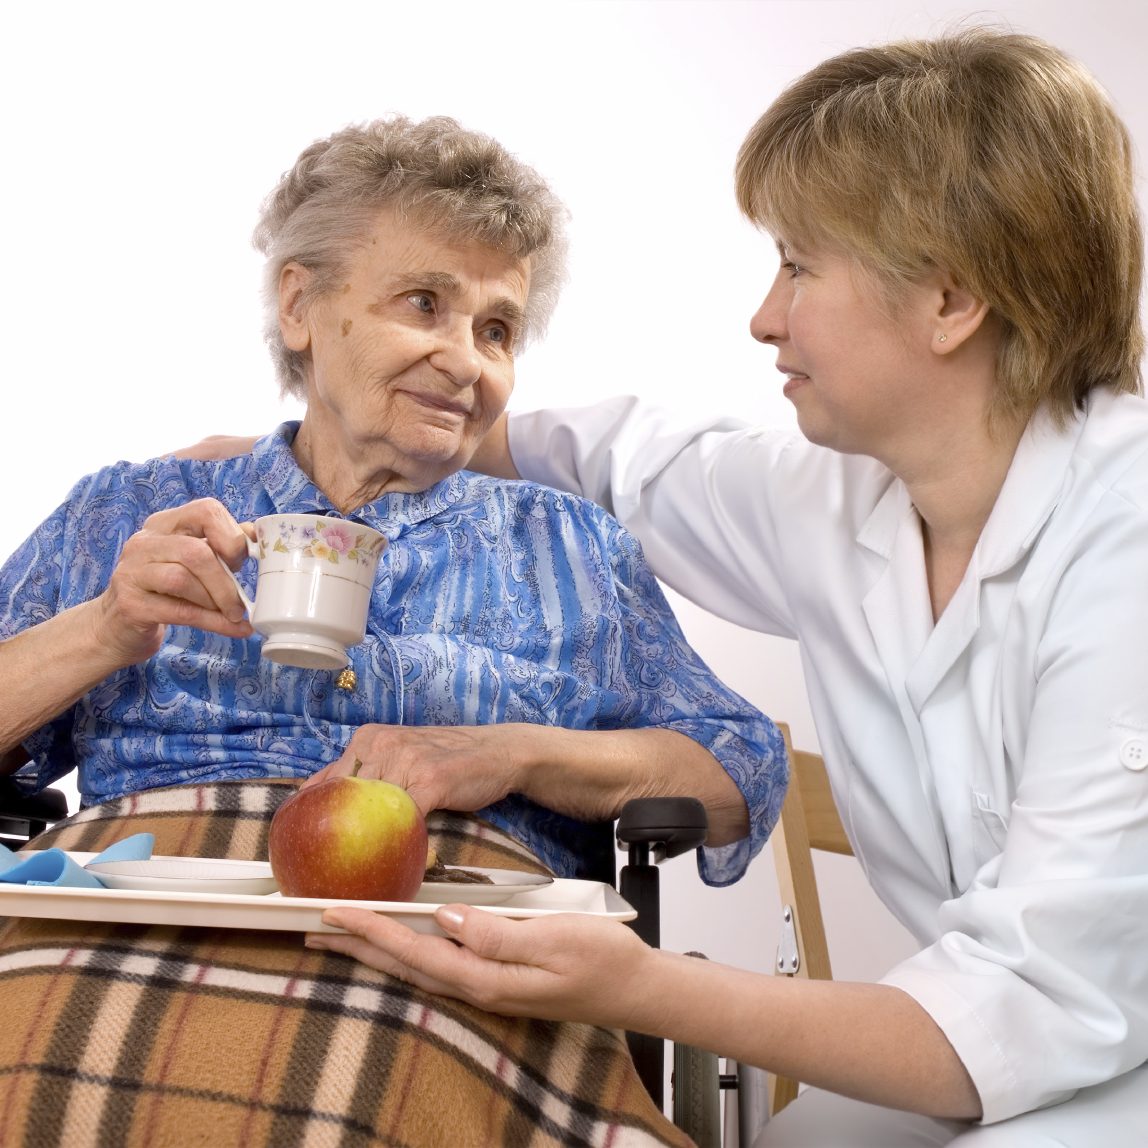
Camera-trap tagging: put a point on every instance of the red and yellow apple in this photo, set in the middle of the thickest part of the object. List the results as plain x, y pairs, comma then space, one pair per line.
350, 838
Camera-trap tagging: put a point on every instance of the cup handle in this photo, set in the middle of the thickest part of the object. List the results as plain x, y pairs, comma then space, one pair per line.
252, 552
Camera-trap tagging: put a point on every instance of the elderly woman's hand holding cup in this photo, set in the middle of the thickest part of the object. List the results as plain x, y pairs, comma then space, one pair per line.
169, 574
313, 590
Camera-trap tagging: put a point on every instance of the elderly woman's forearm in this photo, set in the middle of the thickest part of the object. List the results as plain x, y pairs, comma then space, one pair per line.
593, 773
46, 668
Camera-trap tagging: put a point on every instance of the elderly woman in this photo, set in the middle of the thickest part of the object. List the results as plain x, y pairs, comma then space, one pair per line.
520, 661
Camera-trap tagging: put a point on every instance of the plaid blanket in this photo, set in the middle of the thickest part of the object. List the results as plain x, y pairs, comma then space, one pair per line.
123, 1035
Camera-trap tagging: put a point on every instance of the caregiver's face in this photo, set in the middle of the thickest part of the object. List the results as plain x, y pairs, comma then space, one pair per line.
851, 365
411, 355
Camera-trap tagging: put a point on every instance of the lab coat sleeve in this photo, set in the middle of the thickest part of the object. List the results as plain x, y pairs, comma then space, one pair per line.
1039, 977
697, 495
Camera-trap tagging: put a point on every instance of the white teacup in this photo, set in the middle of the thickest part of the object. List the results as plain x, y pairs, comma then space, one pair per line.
314, 588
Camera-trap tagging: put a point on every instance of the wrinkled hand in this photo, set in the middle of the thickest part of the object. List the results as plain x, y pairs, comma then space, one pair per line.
551, 968
463, 768
168, 575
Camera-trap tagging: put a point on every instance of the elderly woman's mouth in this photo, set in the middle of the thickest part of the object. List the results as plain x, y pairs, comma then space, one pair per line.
440, 403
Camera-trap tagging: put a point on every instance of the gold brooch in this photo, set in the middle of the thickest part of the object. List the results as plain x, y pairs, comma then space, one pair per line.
347, 680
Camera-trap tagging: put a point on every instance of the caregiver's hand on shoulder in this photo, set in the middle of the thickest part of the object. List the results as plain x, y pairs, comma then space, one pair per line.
217, 447
168, 575
459, 767
551, 968
492, 455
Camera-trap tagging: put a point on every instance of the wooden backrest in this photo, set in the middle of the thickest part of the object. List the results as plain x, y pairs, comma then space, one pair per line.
809, 820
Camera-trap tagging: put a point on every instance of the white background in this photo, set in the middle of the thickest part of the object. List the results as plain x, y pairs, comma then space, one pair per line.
139, 140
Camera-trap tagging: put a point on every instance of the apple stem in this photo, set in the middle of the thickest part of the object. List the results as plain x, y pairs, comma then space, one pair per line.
356, 767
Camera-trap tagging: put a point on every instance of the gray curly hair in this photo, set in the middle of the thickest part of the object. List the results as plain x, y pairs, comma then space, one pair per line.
450, 180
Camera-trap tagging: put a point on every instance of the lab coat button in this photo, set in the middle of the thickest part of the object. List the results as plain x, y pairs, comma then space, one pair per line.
1134, 753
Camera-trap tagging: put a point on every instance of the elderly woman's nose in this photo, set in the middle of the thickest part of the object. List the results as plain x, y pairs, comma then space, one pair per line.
457, 356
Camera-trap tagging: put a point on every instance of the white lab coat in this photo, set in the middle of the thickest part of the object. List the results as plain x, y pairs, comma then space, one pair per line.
989, 769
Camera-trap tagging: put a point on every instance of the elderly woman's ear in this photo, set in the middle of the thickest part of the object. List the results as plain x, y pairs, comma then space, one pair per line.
293, 282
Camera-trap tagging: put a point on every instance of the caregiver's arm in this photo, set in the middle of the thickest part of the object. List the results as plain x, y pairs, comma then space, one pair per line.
217, 446
607, 452
493, 455
872, 1042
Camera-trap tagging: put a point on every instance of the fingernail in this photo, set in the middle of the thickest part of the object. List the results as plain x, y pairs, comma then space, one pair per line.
450, 918
314, 943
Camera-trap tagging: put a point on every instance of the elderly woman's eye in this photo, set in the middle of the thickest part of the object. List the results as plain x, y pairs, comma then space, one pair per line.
498, 334
423, 302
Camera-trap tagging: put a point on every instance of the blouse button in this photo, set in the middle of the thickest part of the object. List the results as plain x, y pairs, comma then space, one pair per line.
1134, 753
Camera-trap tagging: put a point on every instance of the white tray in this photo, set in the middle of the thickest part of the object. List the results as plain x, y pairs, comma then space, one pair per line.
288, 914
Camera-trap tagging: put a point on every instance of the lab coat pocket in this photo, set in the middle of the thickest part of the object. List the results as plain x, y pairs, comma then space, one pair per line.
990, 826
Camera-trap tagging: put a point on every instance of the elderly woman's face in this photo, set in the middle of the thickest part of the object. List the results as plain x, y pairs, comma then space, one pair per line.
411, 355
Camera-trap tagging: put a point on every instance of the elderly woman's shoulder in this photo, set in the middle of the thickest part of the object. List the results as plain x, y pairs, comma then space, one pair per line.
155, 483
523, 500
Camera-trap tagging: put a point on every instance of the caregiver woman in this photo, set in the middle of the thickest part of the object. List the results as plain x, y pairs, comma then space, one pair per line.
959, 542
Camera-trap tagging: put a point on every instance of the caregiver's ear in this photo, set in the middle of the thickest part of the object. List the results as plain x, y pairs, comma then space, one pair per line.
959, 314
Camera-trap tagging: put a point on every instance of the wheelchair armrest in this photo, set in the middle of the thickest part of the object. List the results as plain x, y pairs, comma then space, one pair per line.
661, 826
24, 814
652, 829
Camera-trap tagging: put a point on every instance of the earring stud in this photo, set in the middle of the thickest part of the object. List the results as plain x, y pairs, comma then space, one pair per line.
942, 338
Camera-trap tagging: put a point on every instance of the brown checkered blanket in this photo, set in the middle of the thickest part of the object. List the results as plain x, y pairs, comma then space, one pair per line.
126, 1035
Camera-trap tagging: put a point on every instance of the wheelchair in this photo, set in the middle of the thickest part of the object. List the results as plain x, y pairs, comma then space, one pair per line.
24, 815
809, 822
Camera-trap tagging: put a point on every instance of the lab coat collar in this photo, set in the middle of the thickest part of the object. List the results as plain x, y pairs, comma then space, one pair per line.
1032, 488
1029, 495
913, 650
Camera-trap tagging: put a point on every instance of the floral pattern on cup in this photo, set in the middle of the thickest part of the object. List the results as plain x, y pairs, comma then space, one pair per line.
328, 539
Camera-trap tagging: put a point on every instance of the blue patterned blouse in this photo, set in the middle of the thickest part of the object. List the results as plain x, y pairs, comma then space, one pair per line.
494, 602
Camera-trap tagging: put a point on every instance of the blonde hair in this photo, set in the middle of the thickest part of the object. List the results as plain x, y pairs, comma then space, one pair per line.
446, 179
991, 155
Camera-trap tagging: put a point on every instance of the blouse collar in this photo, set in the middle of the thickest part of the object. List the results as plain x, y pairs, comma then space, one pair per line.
292, 491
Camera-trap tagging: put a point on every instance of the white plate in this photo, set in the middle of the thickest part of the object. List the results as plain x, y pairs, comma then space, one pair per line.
507, 883
217, 875
289, 914
187, 875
